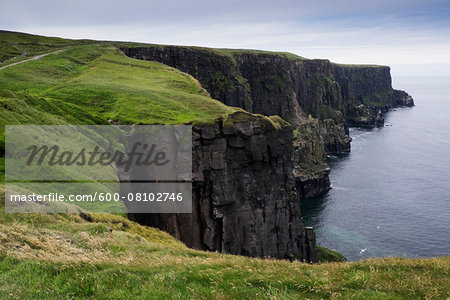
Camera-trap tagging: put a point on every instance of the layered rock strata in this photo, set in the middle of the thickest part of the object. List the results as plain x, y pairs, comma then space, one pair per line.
244, 196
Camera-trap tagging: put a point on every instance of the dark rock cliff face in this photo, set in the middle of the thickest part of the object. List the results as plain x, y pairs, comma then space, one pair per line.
272, 84
266, 84
244, 198
310, 144
368, 93
291, 88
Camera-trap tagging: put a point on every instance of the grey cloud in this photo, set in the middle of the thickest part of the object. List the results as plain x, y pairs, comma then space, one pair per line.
114, 12
349, 31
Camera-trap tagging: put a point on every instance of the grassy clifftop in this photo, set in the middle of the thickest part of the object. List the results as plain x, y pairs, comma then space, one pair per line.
97, 83
16, 46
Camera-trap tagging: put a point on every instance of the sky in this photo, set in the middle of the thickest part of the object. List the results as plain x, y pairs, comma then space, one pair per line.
411, 36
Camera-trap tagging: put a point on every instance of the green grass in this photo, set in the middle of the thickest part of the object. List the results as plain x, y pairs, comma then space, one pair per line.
223, 277
109, 257
92, 84
360, 66
287, 55
327, 255
99, 83
218, 51
16, 46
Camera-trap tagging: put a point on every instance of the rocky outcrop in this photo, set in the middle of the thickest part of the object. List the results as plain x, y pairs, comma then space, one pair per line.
368, 93
217, 72
244, 197
311, 147
272, 84
249, 177
338, 96
292, 89
266, 84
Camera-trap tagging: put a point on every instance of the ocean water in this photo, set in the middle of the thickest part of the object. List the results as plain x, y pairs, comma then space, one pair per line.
391, 194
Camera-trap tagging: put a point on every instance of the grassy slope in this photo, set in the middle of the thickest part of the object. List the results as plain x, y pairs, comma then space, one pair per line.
94, 83
360, 66
107, 256
15, 46
90, 84
257, 52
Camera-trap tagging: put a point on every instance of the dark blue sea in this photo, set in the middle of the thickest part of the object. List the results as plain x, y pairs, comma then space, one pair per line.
391, 194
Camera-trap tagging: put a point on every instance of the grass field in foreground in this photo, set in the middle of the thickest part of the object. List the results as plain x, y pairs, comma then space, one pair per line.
107, 256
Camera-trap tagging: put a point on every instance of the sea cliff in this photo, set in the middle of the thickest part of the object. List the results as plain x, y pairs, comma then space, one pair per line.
298, 90
244, 198
248, 180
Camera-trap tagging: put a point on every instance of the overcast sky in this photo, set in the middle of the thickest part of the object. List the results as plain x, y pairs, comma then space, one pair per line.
412, 36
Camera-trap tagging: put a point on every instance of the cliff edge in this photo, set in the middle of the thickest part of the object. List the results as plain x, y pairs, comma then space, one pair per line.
319, 98
244, 198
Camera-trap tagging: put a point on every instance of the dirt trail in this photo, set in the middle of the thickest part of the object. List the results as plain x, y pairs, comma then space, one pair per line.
31, 58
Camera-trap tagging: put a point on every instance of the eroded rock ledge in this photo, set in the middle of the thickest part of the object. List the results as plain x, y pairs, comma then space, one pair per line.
244, 196
249, 179
270, 84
